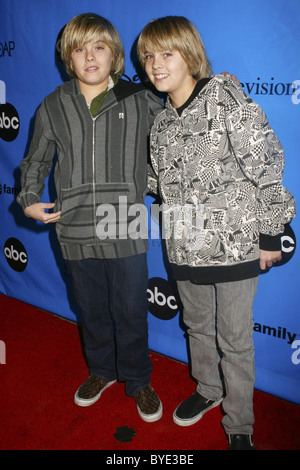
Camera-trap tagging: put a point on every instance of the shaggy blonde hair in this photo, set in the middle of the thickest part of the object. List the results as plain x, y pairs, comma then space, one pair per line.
175, 33
85, 28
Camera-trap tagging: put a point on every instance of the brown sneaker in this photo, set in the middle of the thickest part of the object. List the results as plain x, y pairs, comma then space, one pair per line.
148, 404
90, 391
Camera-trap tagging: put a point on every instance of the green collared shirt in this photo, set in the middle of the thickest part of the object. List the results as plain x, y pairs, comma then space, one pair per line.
98, 101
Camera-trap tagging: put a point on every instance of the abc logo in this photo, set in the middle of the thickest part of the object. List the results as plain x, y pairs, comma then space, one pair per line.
163, 298
288, 245
15, 254
9, 122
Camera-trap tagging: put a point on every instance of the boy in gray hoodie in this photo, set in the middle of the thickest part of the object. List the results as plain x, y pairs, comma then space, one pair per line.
98, 124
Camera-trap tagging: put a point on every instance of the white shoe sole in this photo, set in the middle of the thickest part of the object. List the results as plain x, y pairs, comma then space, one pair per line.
90, 401
195, 419
153, 417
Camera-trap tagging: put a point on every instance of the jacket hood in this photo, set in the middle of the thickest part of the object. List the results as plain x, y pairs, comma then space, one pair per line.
70, 87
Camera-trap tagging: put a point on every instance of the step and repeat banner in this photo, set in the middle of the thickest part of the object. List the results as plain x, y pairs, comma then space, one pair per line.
258, 41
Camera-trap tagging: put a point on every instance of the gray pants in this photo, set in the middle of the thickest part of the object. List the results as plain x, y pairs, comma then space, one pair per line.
220, 326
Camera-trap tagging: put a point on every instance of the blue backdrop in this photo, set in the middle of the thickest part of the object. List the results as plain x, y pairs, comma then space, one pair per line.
259, 42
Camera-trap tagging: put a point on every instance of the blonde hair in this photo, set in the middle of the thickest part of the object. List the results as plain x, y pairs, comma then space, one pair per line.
175, 33
85, 28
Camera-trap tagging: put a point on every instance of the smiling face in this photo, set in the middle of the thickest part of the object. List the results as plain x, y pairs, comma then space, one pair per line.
92, 64
169, 73
173, 55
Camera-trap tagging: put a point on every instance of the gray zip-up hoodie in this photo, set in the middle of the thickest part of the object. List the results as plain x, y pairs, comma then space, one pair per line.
99, 159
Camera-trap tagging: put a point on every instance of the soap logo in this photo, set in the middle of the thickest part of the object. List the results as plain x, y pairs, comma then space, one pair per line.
9, 118
7, 48
163, 298
15, 254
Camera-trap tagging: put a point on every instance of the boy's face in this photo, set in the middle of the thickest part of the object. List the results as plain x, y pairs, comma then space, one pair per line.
92, 64
168, 71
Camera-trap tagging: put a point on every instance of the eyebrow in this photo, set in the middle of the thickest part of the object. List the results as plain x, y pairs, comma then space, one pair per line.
158, 50
99, 41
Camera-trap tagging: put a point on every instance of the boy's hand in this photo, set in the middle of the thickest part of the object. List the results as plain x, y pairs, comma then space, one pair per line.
268, 258
233, 77
37, 212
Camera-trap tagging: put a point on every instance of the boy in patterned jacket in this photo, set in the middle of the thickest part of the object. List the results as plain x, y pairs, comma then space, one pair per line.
216, 158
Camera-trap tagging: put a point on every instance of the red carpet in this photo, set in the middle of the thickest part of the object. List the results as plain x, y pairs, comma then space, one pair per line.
44, 366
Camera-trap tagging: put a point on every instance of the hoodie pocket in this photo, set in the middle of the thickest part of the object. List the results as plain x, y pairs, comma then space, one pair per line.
79, 206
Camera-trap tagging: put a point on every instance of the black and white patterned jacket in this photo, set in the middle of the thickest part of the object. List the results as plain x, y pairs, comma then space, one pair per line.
222, 165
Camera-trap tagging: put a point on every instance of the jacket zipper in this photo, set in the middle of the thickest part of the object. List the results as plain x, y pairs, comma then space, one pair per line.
93, 164
93, 176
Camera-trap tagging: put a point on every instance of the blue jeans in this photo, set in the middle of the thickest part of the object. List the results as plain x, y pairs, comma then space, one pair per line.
220, 322
112, 296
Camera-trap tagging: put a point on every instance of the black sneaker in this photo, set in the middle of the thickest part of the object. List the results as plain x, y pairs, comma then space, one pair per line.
191, 410
240, 442
148, 404
90, 391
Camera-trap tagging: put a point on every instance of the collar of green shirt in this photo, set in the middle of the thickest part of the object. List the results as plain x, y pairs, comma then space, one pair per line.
98, 101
